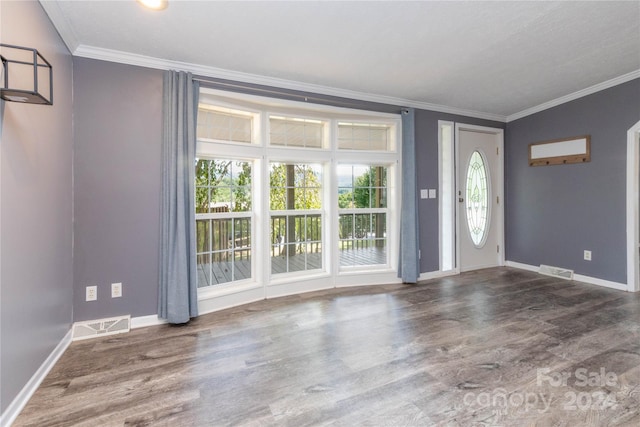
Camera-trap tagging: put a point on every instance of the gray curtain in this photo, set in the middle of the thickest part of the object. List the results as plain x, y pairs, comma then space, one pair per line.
409, 263
178, 296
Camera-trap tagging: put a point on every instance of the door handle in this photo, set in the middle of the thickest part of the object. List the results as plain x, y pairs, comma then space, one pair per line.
460, 199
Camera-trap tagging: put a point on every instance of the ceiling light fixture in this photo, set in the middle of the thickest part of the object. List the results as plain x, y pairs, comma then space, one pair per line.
154, 4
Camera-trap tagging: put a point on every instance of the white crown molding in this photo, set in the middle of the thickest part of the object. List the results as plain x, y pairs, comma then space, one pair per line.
91, 52
575, 95
60, 22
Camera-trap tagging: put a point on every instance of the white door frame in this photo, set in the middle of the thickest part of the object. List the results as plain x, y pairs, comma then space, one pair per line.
447, 196
633, 228
499, 192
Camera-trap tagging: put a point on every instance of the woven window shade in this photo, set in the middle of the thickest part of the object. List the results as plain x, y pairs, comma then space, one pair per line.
223, 126
292, 132
365, 137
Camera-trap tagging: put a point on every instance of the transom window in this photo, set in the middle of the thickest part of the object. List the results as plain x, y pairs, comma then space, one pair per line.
296, 132
364, 136
225, 125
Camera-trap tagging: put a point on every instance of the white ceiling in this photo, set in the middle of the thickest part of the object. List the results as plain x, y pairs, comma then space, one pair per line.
498, 58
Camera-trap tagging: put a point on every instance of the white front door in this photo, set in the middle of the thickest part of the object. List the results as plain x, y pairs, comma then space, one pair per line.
479, 195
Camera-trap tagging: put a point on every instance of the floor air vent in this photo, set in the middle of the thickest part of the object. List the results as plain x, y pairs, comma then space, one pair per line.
101, 327
561, 273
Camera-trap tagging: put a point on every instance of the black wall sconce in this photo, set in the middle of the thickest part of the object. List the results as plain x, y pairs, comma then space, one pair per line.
19, 62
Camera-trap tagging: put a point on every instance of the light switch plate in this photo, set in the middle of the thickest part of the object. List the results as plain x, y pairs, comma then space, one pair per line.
432, 193
424, 194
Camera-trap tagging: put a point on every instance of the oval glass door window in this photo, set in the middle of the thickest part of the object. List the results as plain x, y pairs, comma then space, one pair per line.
477, 200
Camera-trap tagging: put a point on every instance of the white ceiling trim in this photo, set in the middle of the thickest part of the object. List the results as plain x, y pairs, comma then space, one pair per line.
70, 37
110, 55
52, 8
575, 95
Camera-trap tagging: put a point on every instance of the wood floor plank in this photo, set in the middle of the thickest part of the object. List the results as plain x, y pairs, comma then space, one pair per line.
455, 351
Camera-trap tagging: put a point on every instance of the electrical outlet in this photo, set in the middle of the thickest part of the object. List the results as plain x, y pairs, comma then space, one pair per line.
92, 293
587, 255
116, 290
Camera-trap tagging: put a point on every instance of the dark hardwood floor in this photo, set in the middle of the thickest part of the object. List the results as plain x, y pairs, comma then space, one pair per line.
496, 347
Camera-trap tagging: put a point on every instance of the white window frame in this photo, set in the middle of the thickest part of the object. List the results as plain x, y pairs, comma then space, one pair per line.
326, 132
232, 109
361, 211
229, 286
393, 137
323, 214
261, 153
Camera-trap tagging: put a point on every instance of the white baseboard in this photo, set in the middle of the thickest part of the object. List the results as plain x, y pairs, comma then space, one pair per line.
437, 274
371, 278
19, 402
600, 282
521, 266
16, 406
576, 277
222, 302
144, 321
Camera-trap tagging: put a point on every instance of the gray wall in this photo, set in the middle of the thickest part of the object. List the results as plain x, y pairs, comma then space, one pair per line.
554, 213
36, 209
426, 151
117, 174
118, 126
427, 161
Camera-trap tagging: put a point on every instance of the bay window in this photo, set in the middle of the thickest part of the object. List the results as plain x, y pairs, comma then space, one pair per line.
291, 197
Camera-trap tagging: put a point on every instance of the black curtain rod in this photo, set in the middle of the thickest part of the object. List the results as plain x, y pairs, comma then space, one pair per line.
294, 95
